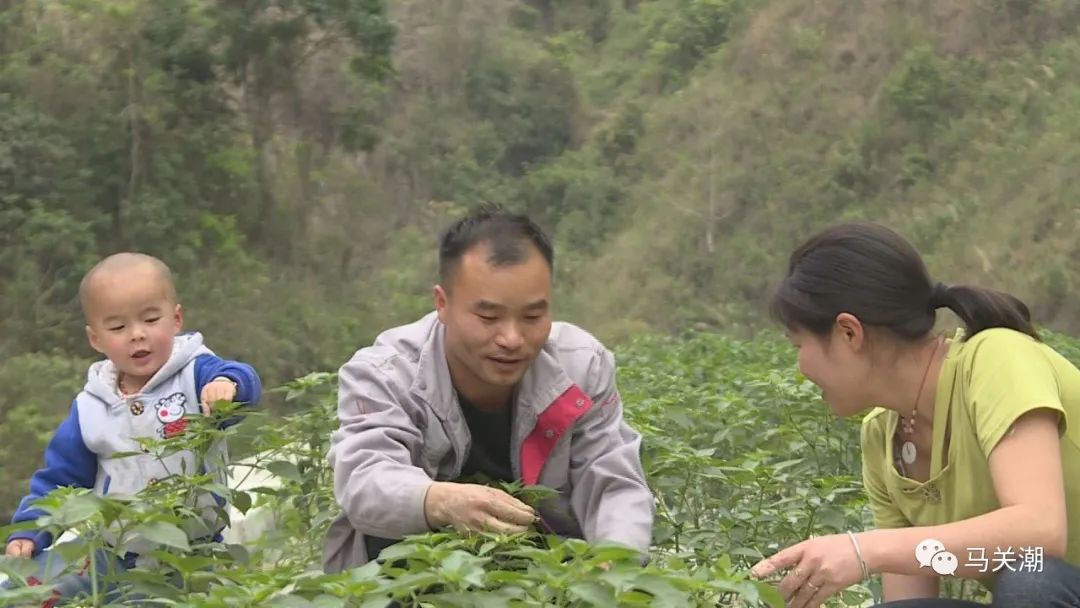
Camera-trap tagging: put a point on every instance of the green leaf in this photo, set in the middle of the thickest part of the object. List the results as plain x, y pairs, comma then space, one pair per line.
76, 510
32, 596
663, 592
241, 500
770, 594
328, 601
535, 494
17, 567
74, 551
748, 552
239, 553
285, 470
464, 567
186, 563
290, 601
593, 594
164, 533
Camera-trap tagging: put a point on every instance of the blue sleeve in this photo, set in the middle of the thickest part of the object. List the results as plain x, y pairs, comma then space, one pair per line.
68, 462
248, 384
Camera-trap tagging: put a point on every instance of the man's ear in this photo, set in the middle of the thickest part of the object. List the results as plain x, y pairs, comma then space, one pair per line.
441, 299
850, 331
92, 338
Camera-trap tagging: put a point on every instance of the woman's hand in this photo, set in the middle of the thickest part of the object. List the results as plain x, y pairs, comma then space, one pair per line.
819, 568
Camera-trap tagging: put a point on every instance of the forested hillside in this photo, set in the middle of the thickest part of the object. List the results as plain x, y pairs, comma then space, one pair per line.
293, 160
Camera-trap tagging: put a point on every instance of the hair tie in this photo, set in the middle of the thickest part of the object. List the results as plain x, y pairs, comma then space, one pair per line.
939, 294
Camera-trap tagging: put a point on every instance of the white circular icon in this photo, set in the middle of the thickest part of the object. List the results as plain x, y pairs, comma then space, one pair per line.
931, 552
926, 550
944, 563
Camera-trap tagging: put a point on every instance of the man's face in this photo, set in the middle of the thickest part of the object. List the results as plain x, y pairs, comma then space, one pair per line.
497, 319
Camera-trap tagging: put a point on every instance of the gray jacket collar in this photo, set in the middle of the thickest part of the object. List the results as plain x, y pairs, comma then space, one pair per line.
541, 384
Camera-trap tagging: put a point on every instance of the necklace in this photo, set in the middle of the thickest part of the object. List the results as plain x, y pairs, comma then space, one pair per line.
123, 389
908, 453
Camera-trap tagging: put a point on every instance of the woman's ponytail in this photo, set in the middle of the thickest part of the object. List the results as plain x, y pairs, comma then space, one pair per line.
981, 309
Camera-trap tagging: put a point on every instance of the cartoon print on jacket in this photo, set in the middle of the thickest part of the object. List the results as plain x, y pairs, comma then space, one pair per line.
170, 412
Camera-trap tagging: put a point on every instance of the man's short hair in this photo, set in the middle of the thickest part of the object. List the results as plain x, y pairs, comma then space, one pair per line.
507, 234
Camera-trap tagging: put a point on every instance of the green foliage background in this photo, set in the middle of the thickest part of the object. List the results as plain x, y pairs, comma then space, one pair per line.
742, 455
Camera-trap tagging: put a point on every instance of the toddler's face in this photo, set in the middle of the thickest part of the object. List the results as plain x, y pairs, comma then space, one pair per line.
132, 320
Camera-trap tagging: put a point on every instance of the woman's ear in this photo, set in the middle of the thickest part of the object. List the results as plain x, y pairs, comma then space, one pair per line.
850, 330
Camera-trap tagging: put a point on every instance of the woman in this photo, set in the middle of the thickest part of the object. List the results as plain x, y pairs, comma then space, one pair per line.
971, 459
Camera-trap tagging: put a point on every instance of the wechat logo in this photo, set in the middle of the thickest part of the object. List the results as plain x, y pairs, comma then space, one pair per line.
932, 553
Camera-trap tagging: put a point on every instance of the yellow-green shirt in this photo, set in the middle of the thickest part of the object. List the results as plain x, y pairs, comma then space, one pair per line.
985, 384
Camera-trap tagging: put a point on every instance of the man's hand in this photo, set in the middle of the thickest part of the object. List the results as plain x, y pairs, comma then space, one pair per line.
473, 507
20, 547
218, 389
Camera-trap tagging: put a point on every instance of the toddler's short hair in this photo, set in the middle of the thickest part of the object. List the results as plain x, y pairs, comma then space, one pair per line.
125, 261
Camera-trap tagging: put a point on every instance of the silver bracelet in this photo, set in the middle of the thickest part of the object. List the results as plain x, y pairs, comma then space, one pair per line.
858, 553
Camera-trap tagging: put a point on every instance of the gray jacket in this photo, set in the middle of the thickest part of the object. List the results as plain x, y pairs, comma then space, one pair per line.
401, 427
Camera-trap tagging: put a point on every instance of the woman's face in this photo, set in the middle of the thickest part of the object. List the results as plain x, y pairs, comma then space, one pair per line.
837, 365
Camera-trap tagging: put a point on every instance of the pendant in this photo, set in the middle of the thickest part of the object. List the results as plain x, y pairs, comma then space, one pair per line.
907, 452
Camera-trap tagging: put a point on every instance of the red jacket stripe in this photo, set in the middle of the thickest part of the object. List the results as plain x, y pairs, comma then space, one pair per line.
555, 420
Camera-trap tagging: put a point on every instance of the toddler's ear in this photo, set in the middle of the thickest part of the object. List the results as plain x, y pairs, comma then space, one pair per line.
93, 339
178, 317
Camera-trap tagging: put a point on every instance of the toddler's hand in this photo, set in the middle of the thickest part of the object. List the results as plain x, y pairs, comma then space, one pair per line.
218, 389
20, 547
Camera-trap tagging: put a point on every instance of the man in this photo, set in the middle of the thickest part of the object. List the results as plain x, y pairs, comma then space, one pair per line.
486, 384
